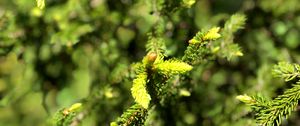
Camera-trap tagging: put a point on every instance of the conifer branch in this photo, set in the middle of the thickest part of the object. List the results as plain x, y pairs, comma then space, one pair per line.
81, 50
153, 72
286, 71
173, 5
172, 67
66, 116
235, 23
229, 49
155, 41
212, 34
198, 50
139, 91
135, 115
156, 45
281, 107
270, 113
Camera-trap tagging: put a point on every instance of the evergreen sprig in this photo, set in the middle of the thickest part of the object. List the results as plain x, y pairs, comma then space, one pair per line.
270, 113
139, 91
155, 63
135, 115
236, 22
286, 71
65, 116
173, 5
229, 49
156, 45
201, 36
154, 71
281, 107
149, 69
171, 67
155, 41
152, 67
198, 49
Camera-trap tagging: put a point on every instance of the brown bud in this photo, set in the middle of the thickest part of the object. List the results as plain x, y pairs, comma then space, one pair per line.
151, 56
66, 112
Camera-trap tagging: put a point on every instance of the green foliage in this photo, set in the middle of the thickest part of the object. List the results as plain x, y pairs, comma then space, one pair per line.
188, 3
156, 42
70, 36
172, 6
235, 23
40, 3
113, 54
198, 49
156, 45
139, 91
286, 71
281, 107
270, 113
135, 115
152, 67
66, 117
172, 67
228, 48
200, 37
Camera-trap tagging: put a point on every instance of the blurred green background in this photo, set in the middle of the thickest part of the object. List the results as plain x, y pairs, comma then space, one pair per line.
82, 50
